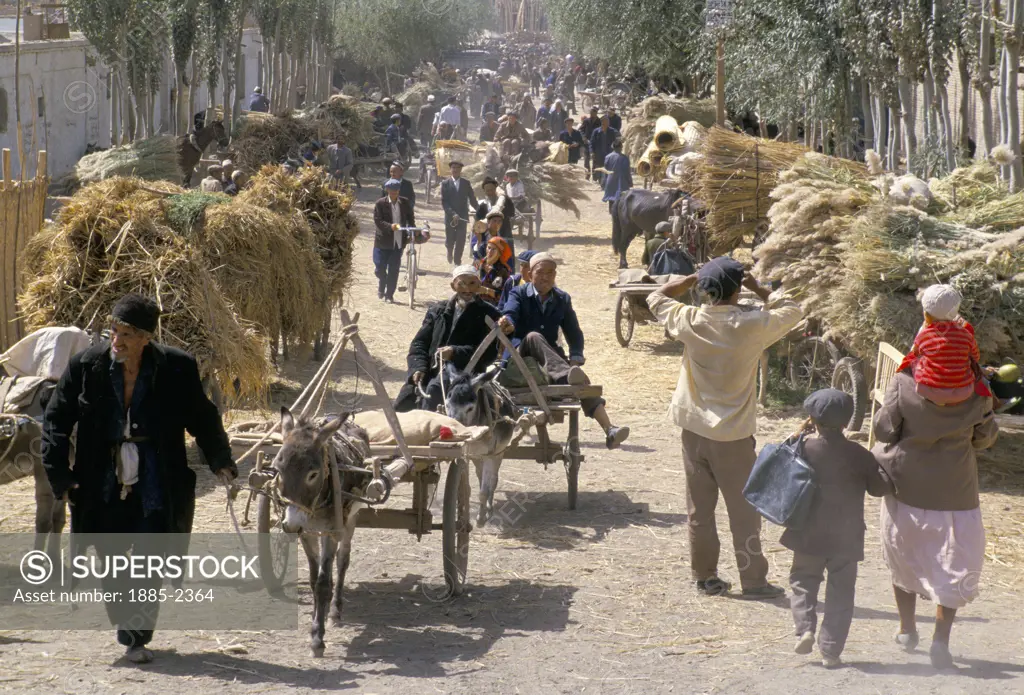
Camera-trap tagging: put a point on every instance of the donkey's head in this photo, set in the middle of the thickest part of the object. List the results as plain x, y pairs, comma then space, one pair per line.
465, 392
302, 464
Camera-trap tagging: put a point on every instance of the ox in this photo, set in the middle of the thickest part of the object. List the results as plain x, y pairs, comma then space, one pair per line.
304, 482
479, 400
636, 212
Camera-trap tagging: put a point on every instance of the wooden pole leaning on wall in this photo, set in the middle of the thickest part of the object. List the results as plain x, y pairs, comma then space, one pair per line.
7, 238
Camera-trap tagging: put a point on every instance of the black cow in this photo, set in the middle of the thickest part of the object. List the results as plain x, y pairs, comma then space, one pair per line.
638, 211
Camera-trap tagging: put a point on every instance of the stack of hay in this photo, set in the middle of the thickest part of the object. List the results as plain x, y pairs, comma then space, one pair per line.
670, 141
815, 202
737, 176
974, 196
326, 210
857, 261
430, 82
562, 185
642, 118
112, 238
265, 138
152, 159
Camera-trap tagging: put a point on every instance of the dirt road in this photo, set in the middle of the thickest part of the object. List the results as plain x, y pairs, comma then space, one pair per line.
592, 601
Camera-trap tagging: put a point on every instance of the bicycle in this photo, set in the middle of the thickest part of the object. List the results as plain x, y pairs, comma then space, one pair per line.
428, 164
419, 235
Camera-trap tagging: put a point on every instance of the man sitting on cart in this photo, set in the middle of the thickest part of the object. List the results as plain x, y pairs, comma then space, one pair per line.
454, 329
532, 314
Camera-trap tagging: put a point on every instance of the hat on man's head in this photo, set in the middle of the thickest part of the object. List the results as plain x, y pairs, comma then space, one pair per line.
526, 256
720, 277
398, 164
462, 270
393, 185
542, 257
136, 311
495, 213
490, 179
829, 408
430, 97
941, 302
512, 172
663, 227
455, 163
395, 117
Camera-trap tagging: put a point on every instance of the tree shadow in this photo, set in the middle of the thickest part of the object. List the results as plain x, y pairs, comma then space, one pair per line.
399, 625
999, 468
233, 669
5, 639
567, 238
542, 519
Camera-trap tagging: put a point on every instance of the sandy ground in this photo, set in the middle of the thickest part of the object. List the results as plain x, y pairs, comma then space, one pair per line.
592, 601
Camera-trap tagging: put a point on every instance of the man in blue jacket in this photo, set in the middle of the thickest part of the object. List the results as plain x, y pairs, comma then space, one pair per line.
532, 314
601, 141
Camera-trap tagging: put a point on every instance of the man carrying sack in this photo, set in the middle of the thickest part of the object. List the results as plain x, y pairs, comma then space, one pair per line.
715, 404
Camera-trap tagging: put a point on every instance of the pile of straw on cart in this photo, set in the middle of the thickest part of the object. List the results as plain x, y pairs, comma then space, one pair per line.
151, 159
265, 138
229, 272
857, 261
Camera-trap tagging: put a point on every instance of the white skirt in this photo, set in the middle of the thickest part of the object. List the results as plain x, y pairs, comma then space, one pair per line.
936, 555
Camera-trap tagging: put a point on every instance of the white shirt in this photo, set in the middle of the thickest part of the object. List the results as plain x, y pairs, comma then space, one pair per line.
515, 190
451, 115
396, 217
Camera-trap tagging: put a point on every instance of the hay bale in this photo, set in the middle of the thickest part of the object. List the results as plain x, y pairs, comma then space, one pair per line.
151, 159
326, 210
416, 96
970, 186
641, 119
111, 239
737, 177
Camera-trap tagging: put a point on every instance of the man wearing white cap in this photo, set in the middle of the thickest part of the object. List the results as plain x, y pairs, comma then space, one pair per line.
451, 330
533, 314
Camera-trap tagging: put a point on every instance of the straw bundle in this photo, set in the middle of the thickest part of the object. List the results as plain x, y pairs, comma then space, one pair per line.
265, 138
815, 204
152, 159
111, 239
326, 210
970, 186
559, 153
736, 181
999, 214
562, 185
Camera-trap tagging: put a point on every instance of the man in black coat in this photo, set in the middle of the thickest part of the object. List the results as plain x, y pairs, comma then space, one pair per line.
390, 214
132, 400
456, 328
456, 197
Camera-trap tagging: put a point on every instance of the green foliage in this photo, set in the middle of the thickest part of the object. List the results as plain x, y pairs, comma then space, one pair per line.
186, 209
396, 35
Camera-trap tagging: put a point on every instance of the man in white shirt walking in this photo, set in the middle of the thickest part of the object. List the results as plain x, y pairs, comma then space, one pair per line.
449, 119
715, 404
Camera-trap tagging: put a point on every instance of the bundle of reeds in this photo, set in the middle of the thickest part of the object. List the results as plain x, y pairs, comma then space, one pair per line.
970, 186
562, 185
737, 176
815, 204
416, 96
110, 239
151, 159
998, 214
339, 117
326, 209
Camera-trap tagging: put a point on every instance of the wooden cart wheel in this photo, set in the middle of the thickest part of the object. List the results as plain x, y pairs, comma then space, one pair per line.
624, 321
456, 526
273, 543
573, 458
811, 362
849, 376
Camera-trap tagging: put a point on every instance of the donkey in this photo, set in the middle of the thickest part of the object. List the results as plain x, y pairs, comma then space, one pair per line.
191, 148
480, 400
304, 482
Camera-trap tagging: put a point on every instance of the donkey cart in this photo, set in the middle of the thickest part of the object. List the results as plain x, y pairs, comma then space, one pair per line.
391, 461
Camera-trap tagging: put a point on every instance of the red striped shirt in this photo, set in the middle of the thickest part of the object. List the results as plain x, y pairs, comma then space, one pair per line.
942, 355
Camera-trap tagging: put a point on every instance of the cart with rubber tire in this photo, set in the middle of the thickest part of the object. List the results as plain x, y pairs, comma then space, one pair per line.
388, 466
631, 309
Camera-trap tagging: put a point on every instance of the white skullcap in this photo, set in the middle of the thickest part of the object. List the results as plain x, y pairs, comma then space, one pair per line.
430, 98
464, 270
543, 257
941, 302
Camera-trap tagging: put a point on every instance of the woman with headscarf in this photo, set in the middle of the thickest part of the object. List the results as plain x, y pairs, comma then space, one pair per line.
933, 539
527, 111
494, 268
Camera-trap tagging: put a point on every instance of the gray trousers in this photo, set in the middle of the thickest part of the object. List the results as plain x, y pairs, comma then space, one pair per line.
712, 467
805, 578
455, 236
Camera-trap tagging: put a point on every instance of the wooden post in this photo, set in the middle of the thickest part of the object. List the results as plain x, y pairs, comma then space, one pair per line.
382, 393
720, 83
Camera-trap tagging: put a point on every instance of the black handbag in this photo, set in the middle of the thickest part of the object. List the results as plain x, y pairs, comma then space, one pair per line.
670, 260
782, 485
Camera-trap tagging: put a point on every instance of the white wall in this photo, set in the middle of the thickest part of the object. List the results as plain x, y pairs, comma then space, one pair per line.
76, 105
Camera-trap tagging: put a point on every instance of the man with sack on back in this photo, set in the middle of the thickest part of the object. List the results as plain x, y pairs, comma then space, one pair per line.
715, 404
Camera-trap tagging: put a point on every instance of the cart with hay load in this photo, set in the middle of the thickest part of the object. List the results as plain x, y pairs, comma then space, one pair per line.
393, 461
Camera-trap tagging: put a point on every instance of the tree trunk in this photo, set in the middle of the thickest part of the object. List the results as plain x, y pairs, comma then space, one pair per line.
115, 101
193, 87
906, 94
986, 139
1011, 43
931, 132
895, 138
867, 134
963, 137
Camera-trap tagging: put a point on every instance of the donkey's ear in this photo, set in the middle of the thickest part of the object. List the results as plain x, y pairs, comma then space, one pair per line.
481, 379
287, 421
328, 430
